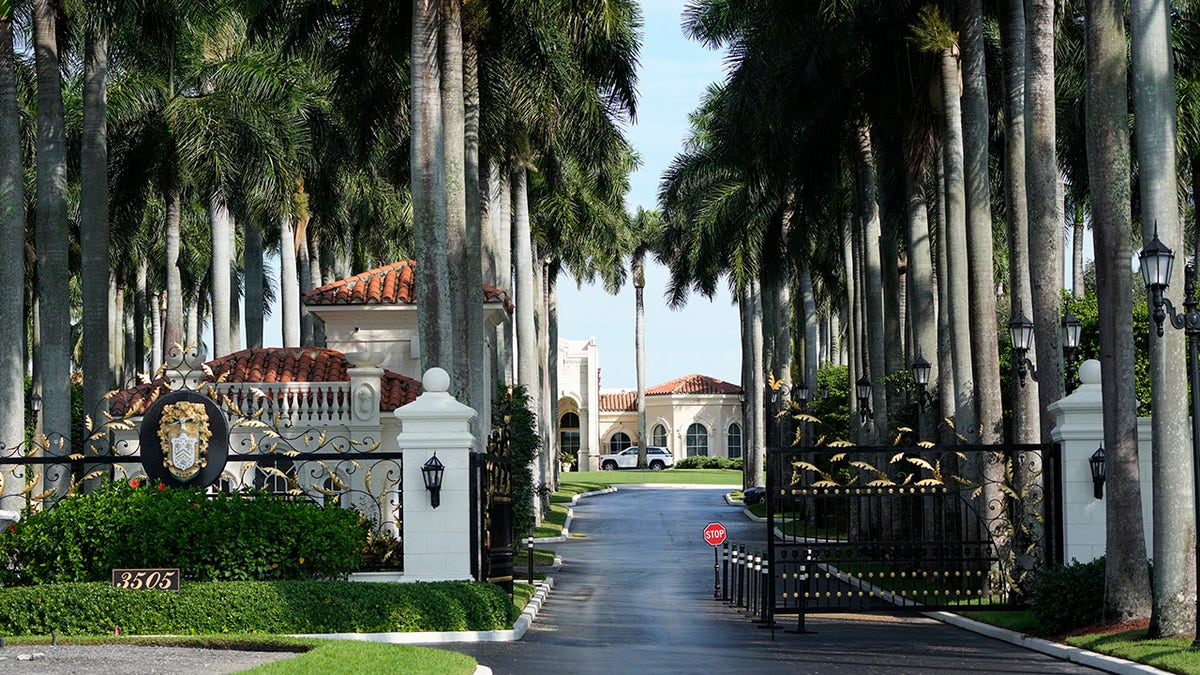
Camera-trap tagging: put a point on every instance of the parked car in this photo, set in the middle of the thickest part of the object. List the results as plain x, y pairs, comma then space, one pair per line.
753, 495
657, 459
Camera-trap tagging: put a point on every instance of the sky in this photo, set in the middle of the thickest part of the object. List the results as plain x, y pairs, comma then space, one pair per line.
702, 337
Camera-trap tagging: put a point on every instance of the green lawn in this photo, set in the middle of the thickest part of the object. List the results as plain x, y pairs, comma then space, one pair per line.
587, 481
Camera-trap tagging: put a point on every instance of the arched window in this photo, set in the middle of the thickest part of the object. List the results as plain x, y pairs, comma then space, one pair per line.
618, 442
697, 440
568, 434
658, 436
733, 440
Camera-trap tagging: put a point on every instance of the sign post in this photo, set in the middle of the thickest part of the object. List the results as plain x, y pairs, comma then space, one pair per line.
714, 535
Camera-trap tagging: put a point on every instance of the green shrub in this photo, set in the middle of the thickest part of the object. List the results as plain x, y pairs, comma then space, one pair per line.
512, 411
1066, 597
706, 462
240, 536
255, 607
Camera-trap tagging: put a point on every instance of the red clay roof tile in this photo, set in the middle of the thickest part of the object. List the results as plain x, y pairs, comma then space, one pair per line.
694, 384
624, 401
388, 285
302, 364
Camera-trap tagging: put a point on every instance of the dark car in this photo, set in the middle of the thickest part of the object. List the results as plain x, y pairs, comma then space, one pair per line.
754, 495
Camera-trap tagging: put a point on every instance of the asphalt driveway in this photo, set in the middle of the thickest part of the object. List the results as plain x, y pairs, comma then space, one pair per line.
635, 596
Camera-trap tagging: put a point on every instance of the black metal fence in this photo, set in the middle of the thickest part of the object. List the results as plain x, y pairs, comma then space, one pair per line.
893, 528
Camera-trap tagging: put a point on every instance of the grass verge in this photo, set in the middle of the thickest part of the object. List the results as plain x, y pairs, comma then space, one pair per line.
312, 655
1021, 621
1172, 654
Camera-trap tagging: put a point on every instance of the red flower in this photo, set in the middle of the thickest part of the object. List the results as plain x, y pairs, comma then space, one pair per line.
162, 486
194, 504
12, 527
134, 483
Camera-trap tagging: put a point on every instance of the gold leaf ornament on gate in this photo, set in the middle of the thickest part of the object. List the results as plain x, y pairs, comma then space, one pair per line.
184, 432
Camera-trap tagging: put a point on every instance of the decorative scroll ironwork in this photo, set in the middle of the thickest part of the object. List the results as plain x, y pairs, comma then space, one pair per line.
492, 511
327, 464
888, 527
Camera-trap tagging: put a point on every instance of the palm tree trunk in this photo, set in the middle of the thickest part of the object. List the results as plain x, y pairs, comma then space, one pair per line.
749, 416
872, 275
1041, 189
194, 321
1077, 234
639, 350
947, 402
54, 353
849, 261
93, 220
222, 254
304, 268
252, 268
315, 254
427, 166
985, 350
156, 331
957, 264
289, 283
465, 302
12, 261
1026, 424
503, 233
235, 294
140, 304
526, 300
1154, 106
174, 329
756, 459
478, 345
1127, 583
923, 308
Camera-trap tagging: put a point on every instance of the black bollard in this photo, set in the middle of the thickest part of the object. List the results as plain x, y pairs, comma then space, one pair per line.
529, 548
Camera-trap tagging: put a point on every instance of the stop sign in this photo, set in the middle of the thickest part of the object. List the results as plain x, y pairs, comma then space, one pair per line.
714, 534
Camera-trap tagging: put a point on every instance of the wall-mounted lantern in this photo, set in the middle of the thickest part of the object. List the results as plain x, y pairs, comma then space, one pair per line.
35, 403
431, 472
1072, 327
1096, 464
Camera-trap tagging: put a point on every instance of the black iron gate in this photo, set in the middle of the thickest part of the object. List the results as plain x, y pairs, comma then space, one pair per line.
492, 512
887, 528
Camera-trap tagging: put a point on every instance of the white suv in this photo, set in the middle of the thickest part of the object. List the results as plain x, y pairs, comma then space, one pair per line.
656, 458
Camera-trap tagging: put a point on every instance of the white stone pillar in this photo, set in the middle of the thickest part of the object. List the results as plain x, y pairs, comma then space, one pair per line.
437, 542
1079, 429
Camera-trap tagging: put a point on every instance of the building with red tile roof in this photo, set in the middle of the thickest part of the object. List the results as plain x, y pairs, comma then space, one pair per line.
691, 415
376, 312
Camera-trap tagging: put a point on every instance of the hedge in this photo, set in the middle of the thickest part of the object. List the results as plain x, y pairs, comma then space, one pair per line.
279, 607
1067, 597
707, 462
239, 537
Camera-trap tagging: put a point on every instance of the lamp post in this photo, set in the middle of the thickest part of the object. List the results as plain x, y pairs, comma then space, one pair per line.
920, 373
1156, 261
1020, 332
863, 389
1072, 327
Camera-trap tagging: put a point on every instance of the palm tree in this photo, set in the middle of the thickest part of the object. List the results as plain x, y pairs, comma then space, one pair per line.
427, 167
645, 227
12, 261
1127, 587
1041, 177
54, 354
1154, 108
93, 208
